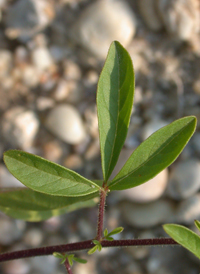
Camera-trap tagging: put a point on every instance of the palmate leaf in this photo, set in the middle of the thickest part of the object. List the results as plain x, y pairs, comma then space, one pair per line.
114, 104
185, 237
32, 206
155, 154
46, 177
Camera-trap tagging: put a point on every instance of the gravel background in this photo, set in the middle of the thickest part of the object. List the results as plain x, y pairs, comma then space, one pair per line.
51, 55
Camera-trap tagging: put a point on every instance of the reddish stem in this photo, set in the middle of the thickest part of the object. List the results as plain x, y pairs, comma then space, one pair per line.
102, 202
72, 247
67, 266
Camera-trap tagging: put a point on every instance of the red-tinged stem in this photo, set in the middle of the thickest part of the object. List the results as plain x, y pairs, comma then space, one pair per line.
67, 266
44, 251
102, 202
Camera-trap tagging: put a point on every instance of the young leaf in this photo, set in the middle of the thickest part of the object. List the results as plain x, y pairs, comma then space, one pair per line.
116, 231
58, 255
70, 259
92, 250
155, 154
47, 177
109, 238
105, 233
114, 104
79, 260
32, 206
197, 223
185, 237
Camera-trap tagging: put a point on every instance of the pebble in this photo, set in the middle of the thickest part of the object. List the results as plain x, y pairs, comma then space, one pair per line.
44, 264
151, 127
147, 215
41, 58
65, 122
189, 210
26, 17
150, 14
19, 127
9, 231
16, 267
53, 151
180, 17
5, 62
73, 161
149, 191
7, 179
123, 157
30, 76
196, 142
91, 118
103, 22
184, 180
33, 237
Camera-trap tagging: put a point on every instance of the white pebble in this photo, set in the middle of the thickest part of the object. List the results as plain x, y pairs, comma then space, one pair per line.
65, 122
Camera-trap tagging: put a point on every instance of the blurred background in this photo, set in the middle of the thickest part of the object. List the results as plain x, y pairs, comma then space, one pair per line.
51, 55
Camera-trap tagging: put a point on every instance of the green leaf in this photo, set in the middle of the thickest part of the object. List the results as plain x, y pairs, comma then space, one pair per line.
79, 260
32, 206
70, 259
185, 237
116, 231
155, 154
105, 233
109, 238
114, 104
92, 250
47, 177
58, 255
197, 223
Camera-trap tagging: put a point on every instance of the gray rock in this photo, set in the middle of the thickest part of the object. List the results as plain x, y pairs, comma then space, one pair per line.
184, 179
151, 127
65, 122
17, 267
26, 17
196, 142
150, 14
148, 191
102, 22
147, 215
19, 127
7, 179
180, 17
9, 230
33, 237
44, 265
189, 210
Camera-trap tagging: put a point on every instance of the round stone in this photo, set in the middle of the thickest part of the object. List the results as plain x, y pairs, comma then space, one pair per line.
189, 210
148, 191
147, 215
19, 127
103, 22
184, 179
65, 122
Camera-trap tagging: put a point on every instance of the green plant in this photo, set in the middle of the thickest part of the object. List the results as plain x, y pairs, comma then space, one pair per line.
53, 189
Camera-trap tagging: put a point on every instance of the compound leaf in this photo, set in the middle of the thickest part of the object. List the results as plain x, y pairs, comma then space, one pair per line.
114, 104
32, 206
155, 154
185, 237
46, 177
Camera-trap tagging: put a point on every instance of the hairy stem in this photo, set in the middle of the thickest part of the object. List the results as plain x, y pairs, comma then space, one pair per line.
72, 247
103, 194
67, 266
